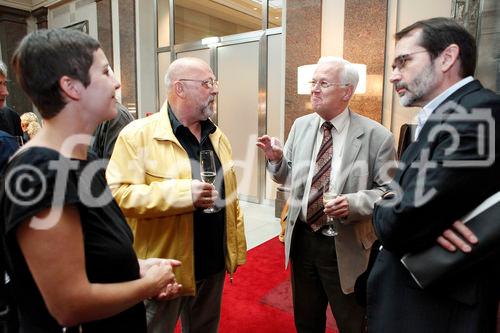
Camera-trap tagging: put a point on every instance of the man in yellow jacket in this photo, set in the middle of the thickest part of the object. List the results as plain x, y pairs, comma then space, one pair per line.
154, 174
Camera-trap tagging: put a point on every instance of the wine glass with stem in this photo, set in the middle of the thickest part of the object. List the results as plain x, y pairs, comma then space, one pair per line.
208, 171
328, 196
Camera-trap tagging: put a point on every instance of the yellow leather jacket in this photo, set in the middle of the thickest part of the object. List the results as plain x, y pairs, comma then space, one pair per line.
150, 177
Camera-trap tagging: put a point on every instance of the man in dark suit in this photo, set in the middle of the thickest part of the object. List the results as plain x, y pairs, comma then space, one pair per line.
451, 168
106, 133
8, 145
10, 121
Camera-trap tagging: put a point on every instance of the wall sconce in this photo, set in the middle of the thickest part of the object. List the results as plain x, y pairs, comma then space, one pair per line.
361, 87
305, 74
210, 41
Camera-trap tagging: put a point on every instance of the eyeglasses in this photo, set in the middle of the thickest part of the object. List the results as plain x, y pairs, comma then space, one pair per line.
325, 84
210, 83
4, 83
400, 61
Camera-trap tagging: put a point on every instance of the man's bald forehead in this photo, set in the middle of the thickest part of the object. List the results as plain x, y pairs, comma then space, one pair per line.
188, 64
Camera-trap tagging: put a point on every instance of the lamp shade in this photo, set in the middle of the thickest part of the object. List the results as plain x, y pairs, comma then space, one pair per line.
361, 88
210, 41
305, 74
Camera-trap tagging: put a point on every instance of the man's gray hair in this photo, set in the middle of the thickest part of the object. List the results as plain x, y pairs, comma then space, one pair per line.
350, 73
3, 69
168, 80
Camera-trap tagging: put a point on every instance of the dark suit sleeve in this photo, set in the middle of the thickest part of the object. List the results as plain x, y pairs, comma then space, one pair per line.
10, 122
16, 120
433, 197
114, 127
8, 147
107, 132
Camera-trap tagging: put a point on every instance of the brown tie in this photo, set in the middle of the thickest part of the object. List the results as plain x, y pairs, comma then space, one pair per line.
316, 218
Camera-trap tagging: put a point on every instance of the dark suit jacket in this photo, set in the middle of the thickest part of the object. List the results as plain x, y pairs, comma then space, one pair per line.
411, 222
10, 121
8, 146
106, 133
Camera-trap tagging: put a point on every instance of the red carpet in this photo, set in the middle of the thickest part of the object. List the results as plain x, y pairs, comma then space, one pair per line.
260, 299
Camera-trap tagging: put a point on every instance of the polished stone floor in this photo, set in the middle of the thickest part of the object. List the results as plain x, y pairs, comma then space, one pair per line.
260, 223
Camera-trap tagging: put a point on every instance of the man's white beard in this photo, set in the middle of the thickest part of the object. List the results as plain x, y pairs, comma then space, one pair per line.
208, 111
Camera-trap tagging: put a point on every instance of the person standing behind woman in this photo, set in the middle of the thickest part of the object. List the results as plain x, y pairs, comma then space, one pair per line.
68, 246
27, 119
33, 129
9, 119
106, 133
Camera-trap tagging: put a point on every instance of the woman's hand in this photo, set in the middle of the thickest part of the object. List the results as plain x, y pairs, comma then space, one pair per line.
146, 264
161, 276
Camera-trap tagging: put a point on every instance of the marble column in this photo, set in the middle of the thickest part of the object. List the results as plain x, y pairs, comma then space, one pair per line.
12, 29
104, 28
128, 66
303, 46
365, 24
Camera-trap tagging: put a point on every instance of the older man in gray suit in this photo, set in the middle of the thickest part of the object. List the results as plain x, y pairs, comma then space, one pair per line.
338, 149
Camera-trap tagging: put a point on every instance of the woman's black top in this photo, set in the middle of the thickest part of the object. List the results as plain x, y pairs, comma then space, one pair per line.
40, 178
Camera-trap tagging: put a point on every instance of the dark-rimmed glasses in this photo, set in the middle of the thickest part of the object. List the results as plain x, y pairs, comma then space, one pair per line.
400, 61
4, 83
210, 83
325, 84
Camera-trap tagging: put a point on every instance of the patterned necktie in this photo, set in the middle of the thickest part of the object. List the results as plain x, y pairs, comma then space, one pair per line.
316, 218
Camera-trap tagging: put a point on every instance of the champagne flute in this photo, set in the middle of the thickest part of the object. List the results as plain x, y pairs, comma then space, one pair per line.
329, 195
207, 171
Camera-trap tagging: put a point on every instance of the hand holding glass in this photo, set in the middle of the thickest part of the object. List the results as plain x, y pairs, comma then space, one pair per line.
207, 171
330, 231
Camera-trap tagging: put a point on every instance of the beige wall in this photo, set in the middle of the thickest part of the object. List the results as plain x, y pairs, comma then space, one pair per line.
401, 14
332, 28
237, 110
69, 13
275, 107
145, 46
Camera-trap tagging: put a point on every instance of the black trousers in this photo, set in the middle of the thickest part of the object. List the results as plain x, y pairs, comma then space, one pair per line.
316, 282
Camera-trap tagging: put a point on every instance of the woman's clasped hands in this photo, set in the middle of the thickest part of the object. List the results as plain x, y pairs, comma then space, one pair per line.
161, 278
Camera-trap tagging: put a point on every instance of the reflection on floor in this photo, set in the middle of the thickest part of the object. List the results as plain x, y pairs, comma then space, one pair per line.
260, 223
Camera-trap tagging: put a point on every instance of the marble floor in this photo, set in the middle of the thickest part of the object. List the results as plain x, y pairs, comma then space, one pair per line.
260, 223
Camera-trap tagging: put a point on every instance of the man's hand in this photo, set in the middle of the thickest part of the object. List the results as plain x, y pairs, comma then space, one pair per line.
338, 207
204, 194
272, 147
459, 236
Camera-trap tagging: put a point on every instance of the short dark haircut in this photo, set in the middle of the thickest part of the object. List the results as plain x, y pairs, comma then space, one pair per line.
44, 56
440, 32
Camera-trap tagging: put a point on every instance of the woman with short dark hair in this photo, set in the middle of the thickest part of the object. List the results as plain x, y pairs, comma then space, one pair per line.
69, 247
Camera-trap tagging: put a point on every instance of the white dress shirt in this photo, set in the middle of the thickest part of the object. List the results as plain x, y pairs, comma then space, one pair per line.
427, 110
339, 132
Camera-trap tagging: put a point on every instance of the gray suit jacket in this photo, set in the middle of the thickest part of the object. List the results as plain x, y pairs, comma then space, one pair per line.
366, 166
